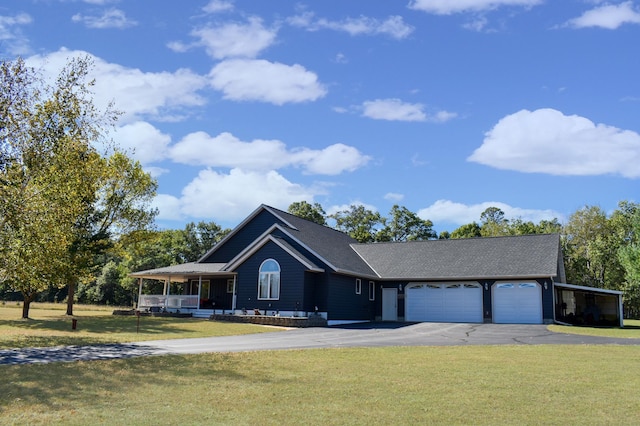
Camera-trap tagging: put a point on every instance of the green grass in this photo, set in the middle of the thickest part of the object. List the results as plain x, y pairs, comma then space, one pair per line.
49, 326
631, 330
480, 385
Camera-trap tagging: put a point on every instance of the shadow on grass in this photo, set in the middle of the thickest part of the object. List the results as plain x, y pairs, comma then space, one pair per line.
106, 325
87, 383
93, 330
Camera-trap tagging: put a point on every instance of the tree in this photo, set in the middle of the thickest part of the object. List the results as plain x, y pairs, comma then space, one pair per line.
591, 244
313, 212
470, 230
44, 154
627, 219
493, 223
121, 204
404, 225
61, 198
200, 238
358, 222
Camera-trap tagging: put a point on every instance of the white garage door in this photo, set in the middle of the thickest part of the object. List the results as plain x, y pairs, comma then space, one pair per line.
517, 303
452, 302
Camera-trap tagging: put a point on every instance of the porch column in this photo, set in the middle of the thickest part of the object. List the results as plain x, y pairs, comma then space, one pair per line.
139, 292
233, 298
199, 289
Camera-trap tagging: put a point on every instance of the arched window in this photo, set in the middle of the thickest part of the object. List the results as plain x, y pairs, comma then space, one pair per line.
269, 280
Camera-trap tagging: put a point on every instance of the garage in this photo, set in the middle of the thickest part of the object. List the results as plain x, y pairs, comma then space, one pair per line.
517, 303
443, 302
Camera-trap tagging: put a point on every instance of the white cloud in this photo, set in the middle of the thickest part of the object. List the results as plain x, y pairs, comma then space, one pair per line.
232, 40
112, 18
264, 81
448, 211
394, 197
225, 150
146, 142
393, 26
136, 93
609, 16
230, 197
332, 160
547, 141
393, 110
11, 37
168, 207
448, 7
217, 6
396, 110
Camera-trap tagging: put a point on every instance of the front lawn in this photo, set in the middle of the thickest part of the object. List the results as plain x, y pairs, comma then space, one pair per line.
480, 385
631, 330
49, 326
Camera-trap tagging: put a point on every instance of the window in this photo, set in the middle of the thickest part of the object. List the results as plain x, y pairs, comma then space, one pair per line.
269, 280
230, 285
527, 285
358, 286
372, 290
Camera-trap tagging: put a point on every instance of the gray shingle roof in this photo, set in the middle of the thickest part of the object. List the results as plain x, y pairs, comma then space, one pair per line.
331, 245
181, 271
498, 257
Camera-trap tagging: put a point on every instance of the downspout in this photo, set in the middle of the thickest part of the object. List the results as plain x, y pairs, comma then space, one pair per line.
553, 290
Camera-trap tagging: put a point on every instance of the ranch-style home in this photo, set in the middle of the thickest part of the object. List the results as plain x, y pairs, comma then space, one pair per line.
278, 264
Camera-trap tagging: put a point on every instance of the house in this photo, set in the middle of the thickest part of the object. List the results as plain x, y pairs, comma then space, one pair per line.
275, 263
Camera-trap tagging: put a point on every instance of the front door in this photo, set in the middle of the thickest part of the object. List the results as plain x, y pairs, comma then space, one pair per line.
389, 304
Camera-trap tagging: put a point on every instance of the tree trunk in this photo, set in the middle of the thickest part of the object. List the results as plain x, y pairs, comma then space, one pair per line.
27, 304
70, 295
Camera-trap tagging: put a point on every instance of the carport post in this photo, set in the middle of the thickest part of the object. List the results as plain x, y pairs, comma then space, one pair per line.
620, 311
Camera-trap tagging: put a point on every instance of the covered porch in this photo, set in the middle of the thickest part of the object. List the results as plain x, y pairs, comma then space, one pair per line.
201, 289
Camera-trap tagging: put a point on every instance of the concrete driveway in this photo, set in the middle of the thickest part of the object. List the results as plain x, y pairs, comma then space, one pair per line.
357, 335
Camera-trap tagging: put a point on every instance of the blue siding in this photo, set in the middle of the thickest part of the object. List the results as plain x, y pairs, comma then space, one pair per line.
345, 304
292, 281
242, 238
547, 299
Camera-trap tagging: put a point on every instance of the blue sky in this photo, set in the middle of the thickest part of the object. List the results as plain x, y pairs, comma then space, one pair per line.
445, 107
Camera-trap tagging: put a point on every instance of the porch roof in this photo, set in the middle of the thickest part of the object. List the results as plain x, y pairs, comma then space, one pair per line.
183, 272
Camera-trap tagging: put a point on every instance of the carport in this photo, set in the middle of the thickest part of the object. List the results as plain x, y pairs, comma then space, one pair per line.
580, 305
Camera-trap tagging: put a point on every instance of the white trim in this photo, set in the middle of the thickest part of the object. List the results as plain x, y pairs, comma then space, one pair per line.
585, 288
257, 244
358, 286
270, 274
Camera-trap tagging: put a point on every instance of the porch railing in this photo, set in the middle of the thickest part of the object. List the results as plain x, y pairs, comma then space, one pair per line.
173, 301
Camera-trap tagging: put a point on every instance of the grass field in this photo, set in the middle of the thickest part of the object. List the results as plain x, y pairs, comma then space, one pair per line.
484, 385
480, 385
49, 326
